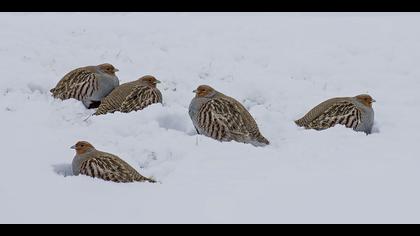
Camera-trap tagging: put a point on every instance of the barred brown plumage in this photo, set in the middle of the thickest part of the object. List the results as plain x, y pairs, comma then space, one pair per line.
91, 162
353, 112
87, 84
223, 118
132, 96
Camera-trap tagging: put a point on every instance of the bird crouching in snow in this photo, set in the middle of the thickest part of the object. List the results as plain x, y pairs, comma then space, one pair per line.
132, 96
91, 162
352, 112
88, 84
223, 118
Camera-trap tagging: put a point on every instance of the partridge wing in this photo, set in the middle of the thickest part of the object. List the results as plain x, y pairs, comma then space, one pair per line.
115, 99
222, 120
344, 113
77, 84
140, 97
107, 168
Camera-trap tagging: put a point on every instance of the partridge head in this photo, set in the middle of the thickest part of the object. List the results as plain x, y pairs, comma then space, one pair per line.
205, 91
150, 80
108, 69
82, 147
365, 99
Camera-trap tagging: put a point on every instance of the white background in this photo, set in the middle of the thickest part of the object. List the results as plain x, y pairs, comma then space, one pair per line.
279, 65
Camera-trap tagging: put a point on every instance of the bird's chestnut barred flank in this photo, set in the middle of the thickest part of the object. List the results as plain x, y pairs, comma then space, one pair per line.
88, 84
91, 162
132, 96
352, 112
223, 118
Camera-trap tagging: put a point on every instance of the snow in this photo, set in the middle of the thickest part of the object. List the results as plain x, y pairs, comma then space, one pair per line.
278, 65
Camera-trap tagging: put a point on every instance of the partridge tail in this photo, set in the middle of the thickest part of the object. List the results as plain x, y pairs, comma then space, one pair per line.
300, 122
141, 178
260, 141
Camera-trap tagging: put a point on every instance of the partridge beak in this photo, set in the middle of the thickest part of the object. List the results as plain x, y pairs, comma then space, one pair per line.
116, 70
195, 91
373, 100
73, 147
158, 82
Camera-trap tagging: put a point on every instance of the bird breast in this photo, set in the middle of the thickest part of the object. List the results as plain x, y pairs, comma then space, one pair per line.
195, 106
77, 163
107, 83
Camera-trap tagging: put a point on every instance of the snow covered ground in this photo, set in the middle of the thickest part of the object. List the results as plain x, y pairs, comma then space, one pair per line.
278, 65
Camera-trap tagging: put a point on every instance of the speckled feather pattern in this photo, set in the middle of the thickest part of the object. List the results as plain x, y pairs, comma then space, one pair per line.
109, 167
225, 119
86, 84
77, 84
345, 111
141, 97
128, 97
